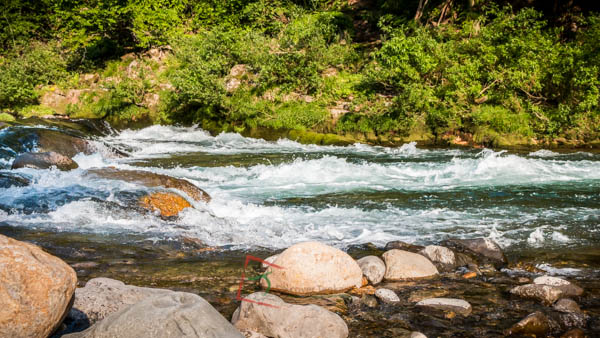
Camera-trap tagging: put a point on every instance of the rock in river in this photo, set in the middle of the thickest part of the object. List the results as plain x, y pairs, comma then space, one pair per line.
173, 315
313, 268
386, 295
373, 268
44, 161
285, 320
448, 304
36, 290
151, 179
442, 257
545, 293
166, 203
569, 289
536, 324
485, 249
402, 265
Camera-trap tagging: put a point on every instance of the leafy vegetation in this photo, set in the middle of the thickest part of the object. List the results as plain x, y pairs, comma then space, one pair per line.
376, 70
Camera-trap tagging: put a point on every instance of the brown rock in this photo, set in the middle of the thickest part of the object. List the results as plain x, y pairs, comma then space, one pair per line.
150, 179
314, 268
569, 289
167, 203
534, 324
402, 265
484, 248
44, 161
52, 140
567, 305
403, 246
36, 290
574, 333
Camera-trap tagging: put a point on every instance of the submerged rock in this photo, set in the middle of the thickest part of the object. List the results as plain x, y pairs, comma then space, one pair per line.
373, 268
443, 258
574, 333
103, 296
36, 290
569, 289
44, 161
386, 295
534, 324
8, 180
174, 315
285, 320
167, 203
567, 305
313, 268
485, 249
151, 179
448, 304
402, 265
545, 293
67, 145
402, 246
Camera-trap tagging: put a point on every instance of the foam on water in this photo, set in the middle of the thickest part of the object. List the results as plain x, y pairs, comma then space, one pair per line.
239, 214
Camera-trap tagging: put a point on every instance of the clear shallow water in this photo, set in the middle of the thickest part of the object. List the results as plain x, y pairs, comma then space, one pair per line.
274, 194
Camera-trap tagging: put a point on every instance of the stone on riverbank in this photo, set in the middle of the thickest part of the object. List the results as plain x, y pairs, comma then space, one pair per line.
168, 204
567, 305
485, 249
402, 246
442, 257
569, 289
313, 268
44, 161
173, 315
401, 265
152, 180
386, 295
534, 324
545, 293
36, 290
285, 320
373, 268
448, 304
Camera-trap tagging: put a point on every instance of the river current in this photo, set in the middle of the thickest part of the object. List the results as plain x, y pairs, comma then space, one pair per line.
271, 194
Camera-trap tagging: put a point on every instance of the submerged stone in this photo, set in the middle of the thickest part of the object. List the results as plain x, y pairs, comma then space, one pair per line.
483, 248
44, 161
448, 304
534, 324
386, 295
545, 293
569, 289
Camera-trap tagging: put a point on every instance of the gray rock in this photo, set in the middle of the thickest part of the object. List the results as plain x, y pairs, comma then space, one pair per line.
416, 334
484, 249
173, 315
386, 295
443, 258
401, 265
448, 304
44, 161
567, 305
402, 246
569, 289
103, 296
285, 320
373, 268
545, 293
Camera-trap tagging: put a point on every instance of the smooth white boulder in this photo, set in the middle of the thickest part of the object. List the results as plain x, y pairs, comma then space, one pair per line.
402, 265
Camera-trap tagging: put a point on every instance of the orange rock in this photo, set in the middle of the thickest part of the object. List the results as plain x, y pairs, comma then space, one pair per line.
36, 290
369, 290
168, 203
470, 275
365, 282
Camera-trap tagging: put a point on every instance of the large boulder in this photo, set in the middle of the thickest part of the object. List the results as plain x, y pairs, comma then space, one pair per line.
44, 161
151, 179
401, 265
174, 315
168, 204
102, 297
284, 320
373, 268
484, 249
36, 290
313, 268
67, 145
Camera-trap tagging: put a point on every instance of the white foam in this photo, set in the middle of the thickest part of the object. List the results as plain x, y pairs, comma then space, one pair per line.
536, 237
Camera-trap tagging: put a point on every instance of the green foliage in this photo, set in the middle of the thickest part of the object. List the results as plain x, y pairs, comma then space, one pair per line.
39, 64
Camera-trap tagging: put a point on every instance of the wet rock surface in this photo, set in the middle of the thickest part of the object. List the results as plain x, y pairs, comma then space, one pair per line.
36, 290
44, 161
373, 268
287, 320
483, 249
168, 204
443, 258
545, 293
536, 324
450, 304
150, 179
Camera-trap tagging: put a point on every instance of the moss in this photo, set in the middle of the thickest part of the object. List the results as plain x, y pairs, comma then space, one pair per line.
5, 117
36, 111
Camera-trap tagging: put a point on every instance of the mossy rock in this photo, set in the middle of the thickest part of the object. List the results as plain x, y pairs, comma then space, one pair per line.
5, 117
